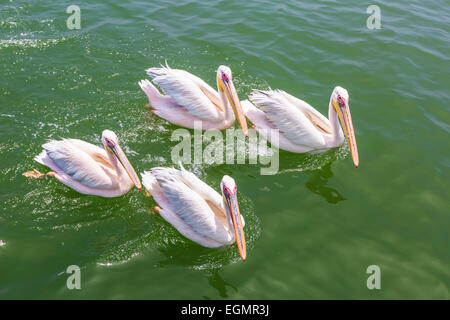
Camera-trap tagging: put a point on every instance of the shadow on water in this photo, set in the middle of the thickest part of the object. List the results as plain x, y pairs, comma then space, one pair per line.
208, 261
199, 258
317, 183
217, 282
319, 167
205, 260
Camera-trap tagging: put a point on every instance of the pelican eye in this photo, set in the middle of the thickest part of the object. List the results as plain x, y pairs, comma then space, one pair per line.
110, 143
226, 191
225, 77
340, 100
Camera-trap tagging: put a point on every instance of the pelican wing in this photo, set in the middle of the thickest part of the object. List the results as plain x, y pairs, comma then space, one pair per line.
201, 188
83, 162
316, 118
189, 205
190, 92
292, 121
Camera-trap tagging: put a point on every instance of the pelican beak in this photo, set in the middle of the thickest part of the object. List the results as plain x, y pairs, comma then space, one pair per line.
118, 153
227, 86
232, 207
343, 111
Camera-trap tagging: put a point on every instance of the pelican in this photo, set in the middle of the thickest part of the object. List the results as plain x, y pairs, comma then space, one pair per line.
301, 127
189, 99
87, 168
195, 209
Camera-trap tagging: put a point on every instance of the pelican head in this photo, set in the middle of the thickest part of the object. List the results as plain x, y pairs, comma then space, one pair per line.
225, 85
228, 187
111, 143
339, 100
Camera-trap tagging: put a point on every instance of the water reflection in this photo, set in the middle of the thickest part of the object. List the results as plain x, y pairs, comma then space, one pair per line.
217, 282
204, 260
185, 253
317, 184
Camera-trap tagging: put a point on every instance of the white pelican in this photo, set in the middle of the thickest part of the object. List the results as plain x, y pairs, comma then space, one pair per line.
301, 127
87, 168
195, 209
190, 99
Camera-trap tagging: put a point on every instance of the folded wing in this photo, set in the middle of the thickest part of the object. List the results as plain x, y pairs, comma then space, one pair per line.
292, 120
189, 205
190, 92
83, 162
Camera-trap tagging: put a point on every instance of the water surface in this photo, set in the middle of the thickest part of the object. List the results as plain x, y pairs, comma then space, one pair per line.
312, 229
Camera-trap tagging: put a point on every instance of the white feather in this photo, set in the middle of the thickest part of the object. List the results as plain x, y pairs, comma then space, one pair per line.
186, 90
74, 158
292, 122
182, 197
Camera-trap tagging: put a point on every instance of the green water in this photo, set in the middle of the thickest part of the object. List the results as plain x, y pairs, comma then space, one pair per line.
312, 230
